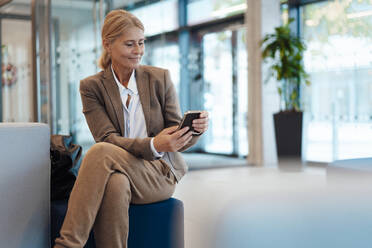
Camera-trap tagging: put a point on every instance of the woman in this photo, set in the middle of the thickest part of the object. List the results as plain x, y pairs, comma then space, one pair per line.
133, 113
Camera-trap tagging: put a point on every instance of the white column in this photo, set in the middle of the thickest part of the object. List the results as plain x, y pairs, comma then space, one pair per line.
253, 22
261, 18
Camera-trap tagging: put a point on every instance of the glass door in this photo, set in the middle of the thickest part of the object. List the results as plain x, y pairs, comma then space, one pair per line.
164, 52
218, 94
225, 91
242, 92
16, 93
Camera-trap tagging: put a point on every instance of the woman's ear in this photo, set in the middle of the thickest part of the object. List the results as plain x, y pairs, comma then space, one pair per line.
106, 45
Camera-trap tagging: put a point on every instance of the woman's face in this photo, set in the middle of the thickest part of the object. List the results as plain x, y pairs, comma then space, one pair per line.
127, 50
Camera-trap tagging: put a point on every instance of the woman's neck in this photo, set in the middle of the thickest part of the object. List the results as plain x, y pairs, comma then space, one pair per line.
122, 74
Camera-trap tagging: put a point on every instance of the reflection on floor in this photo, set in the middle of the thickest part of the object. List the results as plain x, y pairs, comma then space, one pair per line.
290, 205
199, 161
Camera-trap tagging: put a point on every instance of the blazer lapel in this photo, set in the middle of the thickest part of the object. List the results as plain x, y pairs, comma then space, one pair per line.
114, 94
143, 86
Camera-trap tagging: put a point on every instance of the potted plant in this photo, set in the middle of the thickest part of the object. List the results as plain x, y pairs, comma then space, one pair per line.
284, 51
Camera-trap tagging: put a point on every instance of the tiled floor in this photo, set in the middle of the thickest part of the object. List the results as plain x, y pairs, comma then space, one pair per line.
273, 206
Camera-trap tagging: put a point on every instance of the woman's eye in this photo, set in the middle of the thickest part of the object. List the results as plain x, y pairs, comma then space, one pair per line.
133, 44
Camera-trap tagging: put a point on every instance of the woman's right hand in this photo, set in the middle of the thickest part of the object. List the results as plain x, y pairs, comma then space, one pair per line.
170, 140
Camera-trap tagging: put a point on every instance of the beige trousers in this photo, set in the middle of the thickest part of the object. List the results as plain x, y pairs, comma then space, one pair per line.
109, 180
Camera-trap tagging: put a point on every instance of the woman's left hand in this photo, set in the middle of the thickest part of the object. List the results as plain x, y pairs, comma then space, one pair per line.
201, 125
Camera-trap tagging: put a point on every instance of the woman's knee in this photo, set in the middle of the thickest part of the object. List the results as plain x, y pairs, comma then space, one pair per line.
106, 156
95, 156
100, 148
105, 148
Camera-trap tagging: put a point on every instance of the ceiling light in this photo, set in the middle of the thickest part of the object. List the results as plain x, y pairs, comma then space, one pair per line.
359, 14
311, 23
225, 11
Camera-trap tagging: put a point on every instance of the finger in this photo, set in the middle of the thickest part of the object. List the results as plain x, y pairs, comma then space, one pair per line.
180, 132
204, 114
202, 130
170, 130
200, 126
185, 140
200, 121
184, 137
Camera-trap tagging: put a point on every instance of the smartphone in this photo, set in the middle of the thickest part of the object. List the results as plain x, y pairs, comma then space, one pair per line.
187, 119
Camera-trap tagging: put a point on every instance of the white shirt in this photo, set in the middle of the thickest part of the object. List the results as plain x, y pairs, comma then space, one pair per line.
134, 119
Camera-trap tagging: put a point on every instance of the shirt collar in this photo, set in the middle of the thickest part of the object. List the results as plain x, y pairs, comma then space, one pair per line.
132, 84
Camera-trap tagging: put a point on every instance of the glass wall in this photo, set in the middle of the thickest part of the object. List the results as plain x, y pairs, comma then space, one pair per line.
163, 17
214, 73
76, 48
225, 91
338, 120
218, 95
206, 10
242, 92
164, 52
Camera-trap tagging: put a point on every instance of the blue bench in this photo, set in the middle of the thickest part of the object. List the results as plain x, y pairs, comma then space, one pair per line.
156, 225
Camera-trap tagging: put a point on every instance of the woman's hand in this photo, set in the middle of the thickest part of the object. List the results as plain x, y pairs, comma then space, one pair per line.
170, 140
201, 125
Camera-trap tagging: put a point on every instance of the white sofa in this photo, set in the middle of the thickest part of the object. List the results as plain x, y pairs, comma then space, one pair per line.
24, 185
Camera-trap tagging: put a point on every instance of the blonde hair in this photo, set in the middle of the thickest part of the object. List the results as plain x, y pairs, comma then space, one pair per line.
115, 24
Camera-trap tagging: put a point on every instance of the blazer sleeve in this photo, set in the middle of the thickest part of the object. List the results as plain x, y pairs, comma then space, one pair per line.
102, 127
172, 109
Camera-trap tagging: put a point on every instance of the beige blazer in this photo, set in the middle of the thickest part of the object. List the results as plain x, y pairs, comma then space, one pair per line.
103, 110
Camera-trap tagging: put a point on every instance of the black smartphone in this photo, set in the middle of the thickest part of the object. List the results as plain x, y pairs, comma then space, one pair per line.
187, 119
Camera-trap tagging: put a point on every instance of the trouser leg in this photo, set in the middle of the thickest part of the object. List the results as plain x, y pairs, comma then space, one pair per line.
112, 220
148, 183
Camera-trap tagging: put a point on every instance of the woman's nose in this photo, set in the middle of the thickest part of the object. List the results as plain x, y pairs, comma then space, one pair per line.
137, 49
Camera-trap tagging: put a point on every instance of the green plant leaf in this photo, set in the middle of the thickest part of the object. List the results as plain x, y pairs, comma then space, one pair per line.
280, 91
284, 51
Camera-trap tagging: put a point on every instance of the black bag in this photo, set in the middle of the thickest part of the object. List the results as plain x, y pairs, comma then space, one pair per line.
65, 163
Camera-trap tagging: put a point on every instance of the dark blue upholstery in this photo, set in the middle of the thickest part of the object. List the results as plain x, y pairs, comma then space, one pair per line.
156, 225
